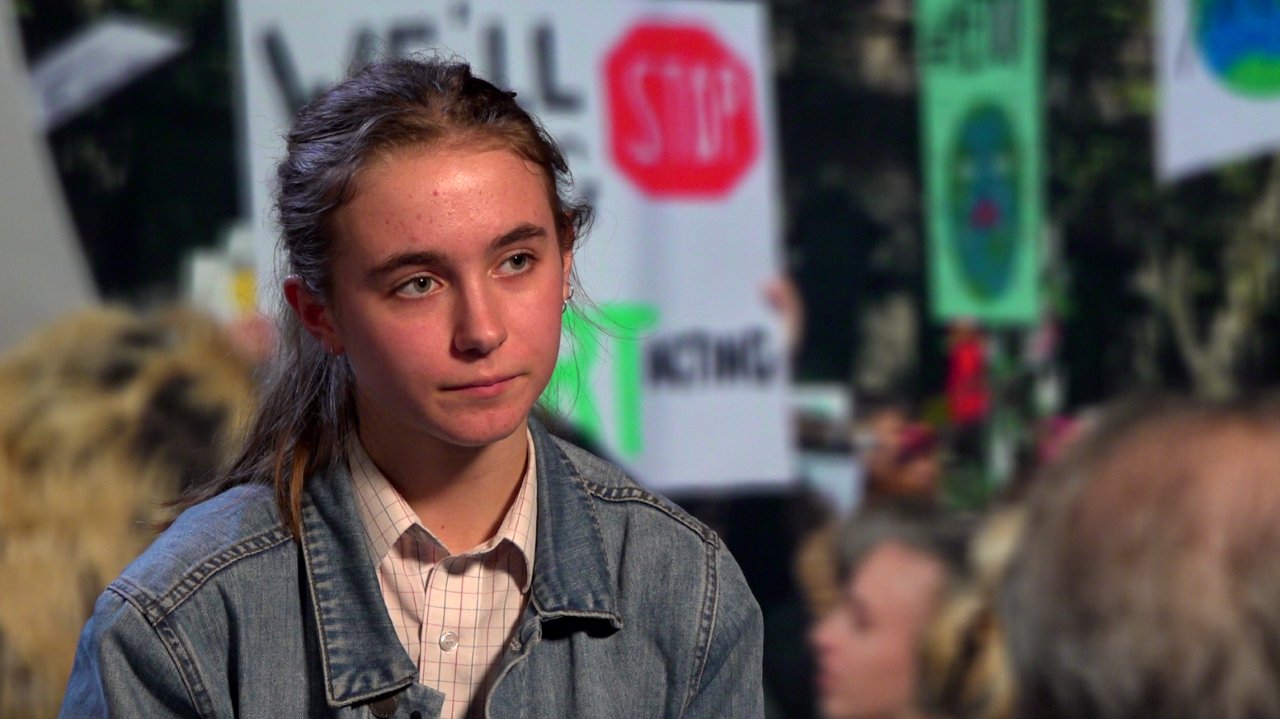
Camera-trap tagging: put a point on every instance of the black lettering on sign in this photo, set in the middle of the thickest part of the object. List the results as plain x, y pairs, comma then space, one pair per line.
555, 98
402, 38
364, 48
495, 55
460, 13
971, 35
588, 188
731, 358
285, 73
697, 358
573, 145
407, 37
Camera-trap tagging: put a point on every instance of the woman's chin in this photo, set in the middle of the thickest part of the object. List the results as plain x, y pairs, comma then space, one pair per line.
482, 430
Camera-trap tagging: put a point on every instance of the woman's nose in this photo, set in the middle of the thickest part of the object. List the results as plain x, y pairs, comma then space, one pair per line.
479, 327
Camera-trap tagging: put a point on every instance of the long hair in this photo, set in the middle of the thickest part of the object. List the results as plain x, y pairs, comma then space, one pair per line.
307, 409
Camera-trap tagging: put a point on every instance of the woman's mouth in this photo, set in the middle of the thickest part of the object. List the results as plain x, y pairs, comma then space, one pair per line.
483, 388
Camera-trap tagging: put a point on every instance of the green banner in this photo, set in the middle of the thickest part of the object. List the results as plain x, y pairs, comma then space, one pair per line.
604, 332
981, 63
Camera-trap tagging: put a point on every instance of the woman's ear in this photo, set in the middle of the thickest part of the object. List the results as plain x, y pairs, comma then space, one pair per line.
567, 241
566, 288
313, 314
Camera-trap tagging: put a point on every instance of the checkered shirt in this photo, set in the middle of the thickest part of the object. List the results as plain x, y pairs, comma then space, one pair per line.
454, 614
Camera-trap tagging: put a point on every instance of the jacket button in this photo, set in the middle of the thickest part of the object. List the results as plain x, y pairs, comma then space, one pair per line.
384, 707
415, 715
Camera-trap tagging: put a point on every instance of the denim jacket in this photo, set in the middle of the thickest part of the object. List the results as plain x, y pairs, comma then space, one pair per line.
635, 610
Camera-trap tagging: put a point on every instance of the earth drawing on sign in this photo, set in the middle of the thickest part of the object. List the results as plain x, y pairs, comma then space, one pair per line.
1240, 42
984, 179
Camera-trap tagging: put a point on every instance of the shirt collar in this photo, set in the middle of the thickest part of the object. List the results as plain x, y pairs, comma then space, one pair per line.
386, 516
360, 652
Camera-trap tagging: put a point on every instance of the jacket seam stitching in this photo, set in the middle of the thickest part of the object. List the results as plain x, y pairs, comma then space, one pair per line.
706, 628
182, 656
178, 652
595, 518
636, 494
315, 606
595, 521
162, 606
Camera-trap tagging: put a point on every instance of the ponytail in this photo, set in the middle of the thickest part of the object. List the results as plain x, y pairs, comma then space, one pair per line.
306, 411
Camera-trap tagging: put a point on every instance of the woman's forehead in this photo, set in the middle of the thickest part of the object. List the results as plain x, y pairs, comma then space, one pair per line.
445, 196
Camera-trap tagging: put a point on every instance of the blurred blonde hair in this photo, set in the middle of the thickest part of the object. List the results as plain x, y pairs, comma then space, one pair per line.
965, 671
104, 417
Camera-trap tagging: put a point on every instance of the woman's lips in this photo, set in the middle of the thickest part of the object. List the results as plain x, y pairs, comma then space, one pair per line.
483, 388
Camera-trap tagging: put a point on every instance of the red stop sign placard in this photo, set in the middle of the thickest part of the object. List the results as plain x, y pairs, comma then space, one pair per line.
681, 111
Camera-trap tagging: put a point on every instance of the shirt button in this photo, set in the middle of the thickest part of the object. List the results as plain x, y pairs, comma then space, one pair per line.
448, 641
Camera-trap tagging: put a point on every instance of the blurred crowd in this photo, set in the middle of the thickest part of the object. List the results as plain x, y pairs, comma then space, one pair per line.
1128, 569
1133, 574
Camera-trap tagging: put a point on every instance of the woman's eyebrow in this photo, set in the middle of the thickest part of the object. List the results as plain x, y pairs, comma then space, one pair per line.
405, 259
523, 231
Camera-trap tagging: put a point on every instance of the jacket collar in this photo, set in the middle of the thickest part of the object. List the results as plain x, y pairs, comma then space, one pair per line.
361, 655
571, 576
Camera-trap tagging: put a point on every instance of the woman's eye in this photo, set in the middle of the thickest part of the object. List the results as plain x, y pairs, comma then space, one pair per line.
417, 286
517, 263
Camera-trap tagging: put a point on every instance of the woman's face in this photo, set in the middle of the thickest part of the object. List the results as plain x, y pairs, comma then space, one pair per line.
865, 647
448, 287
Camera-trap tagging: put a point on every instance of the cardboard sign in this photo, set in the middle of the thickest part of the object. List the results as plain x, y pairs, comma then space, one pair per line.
1218, 71
981, 64
664, 111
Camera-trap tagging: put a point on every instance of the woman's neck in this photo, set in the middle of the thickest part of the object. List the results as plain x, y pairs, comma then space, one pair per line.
460, 494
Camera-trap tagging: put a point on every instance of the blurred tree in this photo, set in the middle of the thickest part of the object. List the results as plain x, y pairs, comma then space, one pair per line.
1169, 285
849, 131
150, 172
1158, 287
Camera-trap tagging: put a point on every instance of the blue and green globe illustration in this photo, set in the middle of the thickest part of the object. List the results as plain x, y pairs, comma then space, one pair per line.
1240, 41
984, 176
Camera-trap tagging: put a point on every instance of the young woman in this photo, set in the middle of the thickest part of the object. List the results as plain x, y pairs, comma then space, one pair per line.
399, 537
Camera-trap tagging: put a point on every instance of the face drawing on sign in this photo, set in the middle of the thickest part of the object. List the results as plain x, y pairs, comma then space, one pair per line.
1240, 42
984, 201
448, 285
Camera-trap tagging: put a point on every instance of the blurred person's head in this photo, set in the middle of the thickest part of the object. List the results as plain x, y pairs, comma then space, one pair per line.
877, 435
918, 466
1148, 584
964, 329
894, 562
901, 459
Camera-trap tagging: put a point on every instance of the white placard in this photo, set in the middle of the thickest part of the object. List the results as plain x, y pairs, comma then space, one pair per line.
1218, 71
96, 62
665, 111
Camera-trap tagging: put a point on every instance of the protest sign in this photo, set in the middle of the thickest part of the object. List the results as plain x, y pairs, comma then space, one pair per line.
981, 64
